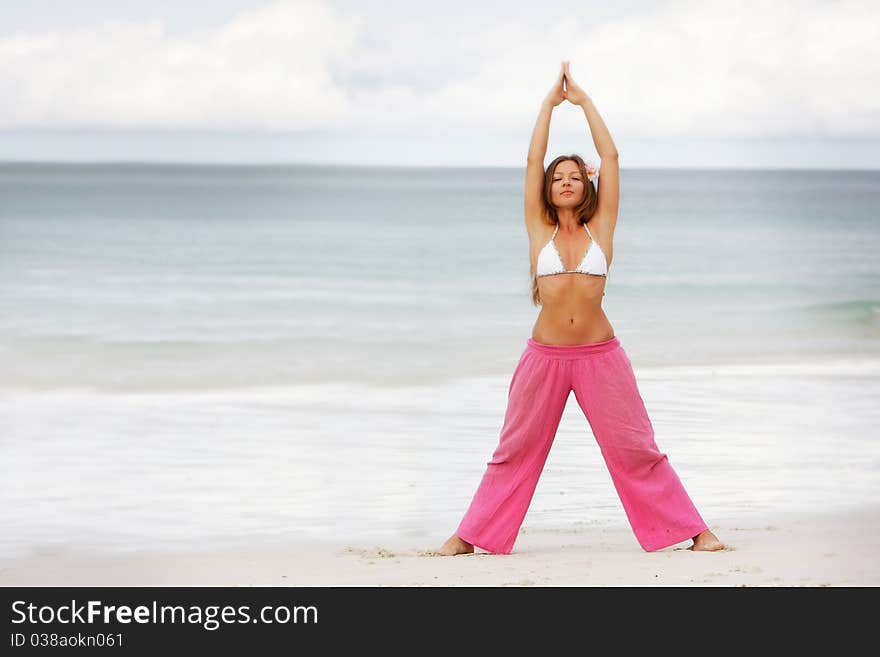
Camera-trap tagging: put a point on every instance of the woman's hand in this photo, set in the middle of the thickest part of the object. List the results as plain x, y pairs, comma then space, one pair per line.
574, 94
557, 93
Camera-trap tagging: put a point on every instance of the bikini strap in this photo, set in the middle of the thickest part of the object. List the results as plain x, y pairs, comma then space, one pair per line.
554, 231
588, 232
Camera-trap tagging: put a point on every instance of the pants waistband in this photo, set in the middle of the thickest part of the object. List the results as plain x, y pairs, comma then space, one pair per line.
568, 351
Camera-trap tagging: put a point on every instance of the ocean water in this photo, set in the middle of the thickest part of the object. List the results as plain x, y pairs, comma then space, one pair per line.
271, 353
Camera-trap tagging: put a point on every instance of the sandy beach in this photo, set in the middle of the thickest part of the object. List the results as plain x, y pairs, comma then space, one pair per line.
792, 550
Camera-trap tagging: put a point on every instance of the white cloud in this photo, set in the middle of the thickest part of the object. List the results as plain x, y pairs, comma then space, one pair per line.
268, 67
685, 67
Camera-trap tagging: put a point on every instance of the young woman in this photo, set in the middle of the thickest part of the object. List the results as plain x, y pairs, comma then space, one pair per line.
573, 347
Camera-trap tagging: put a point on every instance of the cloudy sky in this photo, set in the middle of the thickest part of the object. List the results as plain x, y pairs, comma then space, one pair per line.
459, 82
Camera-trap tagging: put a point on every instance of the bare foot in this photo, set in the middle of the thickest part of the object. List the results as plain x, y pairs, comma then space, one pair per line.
454, 545
706, 542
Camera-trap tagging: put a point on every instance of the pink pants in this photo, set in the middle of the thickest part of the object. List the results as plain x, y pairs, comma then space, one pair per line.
600, 373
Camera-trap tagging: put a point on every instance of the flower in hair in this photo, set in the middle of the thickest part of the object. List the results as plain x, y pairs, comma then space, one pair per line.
592, 173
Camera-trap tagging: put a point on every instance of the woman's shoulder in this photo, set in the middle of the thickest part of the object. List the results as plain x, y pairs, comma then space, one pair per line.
540, 227
601, 228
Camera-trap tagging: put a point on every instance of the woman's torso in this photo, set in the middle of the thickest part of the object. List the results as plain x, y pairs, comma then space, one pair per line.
571, 303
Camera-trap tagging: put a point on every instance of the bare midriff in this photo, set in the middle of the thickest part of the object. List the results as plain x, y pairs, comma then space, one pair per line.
571, 310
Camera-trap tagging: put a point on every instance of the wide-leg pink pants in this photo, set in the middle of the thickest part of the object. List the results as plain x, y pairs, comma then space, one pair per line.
600, 373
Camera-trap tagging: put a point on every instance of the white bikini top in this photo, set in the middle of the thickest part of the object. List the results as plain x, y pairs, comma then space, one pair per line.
593, 262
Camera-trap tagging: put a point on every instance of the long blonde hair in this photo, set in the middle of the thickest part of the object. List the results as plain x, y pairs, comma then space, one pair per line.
584, 211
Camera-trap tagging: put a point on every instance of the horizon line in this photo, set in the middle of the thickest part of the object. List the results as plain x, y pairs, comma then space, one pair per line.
283, 163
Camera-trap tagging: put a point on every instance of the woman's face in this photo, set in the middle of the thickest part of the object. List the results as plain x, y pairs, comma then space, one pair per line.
567, 186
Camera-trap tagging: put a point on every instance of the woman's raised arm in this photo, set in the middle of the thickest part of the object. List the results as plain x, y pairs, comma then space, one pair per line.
534, 193
609, 171
601, 137
541, 133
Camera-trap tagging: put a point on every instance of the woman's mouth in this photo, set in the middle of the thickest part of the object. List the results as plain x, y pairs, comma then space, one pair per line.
567, 193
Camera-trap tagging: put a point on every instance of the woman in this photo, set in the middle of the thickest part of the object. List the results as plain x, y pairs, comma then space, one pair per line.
573, 347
